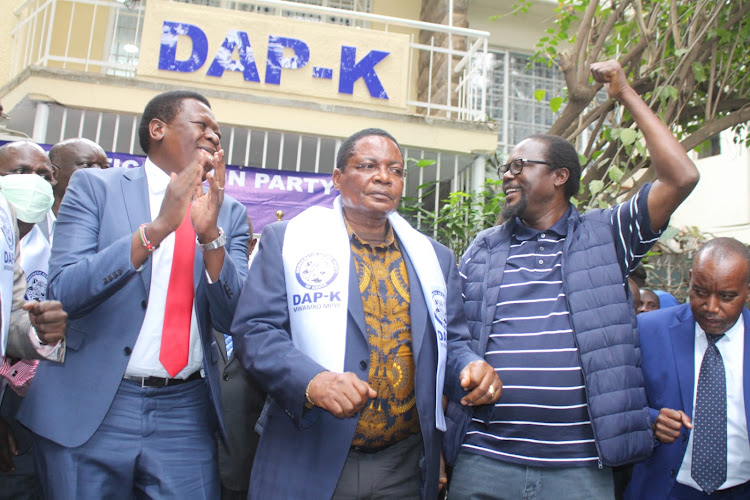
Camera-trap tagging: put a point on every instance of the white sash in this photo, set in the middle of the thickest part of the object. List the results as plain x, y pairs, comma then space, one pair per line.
35, 251
317, 258
7, 249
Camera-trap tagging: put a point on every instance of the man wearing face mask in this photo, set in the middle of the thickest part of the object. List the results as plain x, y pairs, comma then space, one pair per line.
32, 196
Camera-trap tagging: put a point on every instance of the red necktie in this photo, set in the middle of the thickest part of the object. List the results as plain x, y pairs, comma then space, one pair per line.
175, 336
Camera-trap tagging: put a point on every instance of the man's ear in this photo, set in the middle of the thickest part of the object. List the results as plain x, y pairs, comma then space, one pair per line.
336, 176
156, 129
55, 175
561, 176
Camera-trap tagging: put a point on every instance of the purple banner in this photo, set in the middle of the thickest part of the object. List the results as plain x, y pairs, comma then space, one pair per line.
262, 191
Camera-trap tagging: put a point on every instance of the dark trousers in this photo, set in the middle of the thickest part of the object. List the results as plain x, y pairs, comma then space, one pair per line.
153, 443
387, 474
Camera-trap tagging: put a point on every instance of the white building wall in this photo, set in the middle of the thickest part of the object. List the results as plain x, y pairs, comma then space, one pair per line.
720, 204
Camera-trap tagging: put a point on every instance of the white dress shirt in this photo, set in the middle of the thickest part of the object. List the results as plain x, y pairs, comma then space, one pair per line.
732, 348
144, 360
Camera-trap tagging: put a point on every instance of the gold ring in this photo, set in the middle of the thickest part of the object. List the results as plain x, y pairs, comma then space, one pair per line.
491, 390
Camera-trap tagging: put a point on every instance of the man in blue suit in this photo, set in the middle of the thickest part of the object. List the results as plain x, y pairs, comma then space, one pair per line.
146, 262
696, 365
352, 321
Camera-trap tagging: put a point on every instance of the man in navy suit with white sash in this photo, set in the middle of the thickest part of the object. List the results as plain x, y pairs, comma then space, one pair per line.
352, 322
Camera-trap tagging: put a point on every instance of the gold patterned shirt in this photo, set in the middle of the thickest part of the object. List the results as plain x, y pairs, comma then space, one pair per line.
384, 287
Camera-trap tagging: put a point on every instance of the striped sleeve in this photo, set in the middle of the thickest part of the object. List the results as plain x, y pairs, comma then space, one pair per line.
631, 227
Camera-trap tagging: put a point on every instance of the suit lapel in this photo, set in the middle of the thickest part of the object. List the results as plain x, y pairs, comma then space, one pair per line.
417, 308
356, 310
682, 335
138, 210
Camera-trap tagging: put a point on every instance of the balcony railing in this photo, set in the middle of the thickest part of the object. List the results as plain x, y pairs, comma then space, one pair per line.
104, 36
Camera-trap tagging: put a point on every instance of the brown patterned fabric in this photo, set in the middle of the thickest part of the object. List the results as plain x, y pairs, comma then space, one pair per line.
384, 288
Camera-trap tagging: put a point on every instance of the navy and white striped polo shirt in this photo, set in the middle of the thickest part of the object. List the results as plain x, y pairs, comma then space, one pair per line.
542, 417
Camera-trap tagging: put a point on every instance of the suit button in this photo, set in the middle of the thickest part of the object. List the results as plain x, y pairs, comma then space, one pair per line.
127, 351
672, 473
363, 364
144, 304
226, 376
684, 437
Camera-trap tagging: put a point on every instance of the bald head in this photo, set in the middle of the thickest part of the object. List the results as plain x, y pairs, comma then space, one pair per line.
25, 157
723, 248
70, 155
719, 284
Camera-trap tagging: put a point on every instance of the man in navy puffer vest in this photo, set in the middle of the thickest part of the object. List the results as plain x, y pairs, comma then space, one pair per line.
548, 306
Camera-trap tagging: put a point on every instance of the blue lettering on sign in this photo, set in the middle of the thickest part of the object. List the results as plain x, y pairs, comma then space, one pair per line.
325, 73
276, 60
307, 298
224, 62
170, 33
350, 71
8, 257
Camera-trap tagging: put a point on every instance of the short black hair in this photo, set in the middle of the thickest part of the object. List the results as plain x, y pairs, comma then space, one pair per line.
347, 147
562, 154
724, 247
164, 107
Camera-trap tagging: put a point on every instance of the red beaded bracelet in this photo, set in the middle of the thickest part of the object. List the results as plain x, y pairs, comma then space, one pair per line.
144, 238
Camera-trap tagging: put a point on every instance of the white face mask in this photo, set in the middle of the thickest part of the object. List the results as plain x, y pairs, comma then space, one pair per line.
29, 194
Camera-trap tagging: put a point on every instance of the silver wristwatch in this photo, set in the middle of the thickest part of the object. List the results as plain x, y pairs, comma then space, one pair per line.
217, 243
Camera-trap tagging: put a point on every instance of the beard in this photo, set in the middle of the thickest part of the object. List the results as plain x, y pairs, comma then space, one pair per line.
515, 210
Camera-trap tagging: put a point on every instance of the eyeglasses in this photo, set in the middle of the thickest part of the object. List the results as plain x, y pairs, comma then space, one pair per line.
370, 169
516, 166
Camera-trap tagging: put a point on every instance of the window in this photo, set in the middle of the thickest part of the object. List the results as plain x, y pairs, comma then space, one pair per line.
517, 111
711, 147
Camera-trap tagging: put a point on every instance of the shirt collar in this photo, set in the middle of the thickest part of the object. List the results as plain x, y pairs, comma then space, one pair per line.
390, 238
157, 179
737, 329
522, 232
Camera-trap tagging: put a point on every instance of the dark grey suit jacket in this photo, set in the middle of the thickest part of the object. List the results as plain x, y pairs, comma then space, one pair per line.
242, 401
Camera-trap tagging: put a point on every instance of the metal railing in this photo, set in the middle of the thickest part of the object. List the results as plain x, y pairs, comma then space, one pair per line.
104, 36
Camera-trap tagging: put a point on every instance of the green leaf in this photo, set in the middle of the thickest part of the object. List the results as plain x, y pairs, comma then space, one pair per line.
669, 233
681, 52
699, 72
628, 136
615, 173
641, 147
595, 187
539, 95
555, 103
425, 162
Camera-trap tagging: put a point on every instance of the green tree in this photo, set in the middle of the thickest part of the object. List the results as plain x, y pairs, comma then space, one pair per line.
460, 216
688, 59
